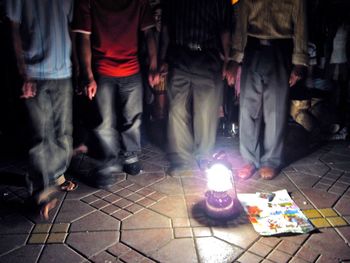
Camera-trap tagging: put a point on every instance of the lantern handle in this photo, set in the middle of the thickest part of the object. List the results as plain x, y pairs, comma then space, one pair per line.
220, 155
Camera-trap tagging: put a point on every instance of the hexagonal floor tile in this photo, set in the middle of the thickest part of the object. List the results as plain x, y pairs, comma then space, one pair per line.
147, 240
146, 219
96, 221
92, 243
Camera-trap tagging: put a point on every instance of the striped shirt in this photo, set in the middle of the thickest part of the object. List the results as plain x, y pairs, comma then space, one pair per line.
197, 22
272, 19
45, 36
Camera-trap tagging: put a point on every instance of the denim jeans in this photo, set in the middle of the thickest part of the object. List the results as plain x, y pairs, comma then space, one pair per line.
119, 105
50, 120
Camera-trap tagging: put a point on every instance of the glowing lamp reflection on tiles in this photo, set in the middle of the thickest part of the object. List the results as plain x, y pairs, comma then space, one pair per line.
221, 194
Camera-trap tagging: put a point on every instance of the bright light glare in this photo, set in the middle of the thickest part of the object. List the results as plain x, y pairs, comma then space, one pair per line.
219, 178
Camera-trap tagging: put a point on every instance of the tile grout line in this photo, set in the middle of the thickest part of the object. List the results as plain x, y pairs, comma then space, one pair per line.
315, 207
187, 210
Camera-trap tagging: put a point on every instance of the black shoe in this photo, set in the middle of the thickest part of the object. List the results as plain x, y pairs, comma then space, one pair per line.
180, 170
103, 177
101, 182
133, 168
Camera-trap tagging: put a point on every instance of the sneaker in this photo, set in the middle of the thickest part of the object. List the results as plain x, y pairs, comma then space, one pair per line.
103, 177
133, 168
340, 135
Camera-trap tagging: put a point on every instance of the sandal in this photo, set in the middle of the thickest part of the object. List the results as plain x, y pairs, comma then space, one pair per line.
246, 171
268, 173
46, 207
68, 186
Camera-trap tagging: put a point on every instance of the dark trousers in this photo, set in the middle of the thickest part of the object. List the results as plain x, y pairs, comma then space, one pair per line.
264, 102
50, 117
119, 105
195, 94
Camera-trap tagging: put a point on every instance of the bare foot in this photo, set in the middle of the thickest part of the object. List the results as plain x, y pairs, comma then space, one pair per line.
47, 207
68, 186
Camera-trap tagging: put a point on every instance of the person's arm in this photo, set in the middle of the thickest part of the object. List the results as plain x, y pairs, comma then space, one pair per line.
239, 41
75, 62
163, 49
300, 55
153, 74
85, 58
226, 23
17, 44
226, 45
82, 27
29, 85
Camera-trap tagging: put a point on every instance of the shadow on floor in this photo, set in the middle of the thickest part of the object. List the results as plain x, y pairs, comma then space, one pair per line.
13, 179
299, 143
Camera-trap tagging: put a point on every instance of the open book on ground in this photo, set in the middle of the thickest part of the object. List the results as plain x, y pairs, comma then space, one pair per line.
274, 213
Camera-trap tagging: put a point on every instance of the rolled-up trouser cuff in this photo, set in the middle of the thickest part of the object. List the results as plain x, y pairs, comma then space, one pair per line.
60, 180
132, 159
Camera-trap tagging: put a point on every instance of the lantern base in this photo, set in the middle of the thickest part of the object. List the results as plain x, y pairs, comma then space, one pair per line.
220, 205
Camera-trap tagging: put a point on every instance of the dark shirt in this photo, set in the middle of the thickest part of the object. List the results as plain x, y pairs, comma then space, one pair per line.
197, 22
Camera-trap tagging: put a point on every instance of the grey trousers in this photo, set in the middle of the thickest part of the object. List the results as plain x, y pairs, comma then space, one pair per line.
264, 102
50, 117
195, 94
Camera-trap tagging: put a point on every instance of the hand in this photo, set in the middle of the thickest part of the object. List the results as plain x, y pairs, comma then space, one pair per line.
91, 89
78, 82
28, 89
79, 89
153, 77
296, 74
224, 70
164, 69
230, 72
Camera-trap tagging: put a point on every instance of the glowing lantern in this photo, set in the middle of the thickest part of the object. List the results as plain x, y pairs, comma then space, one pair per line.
221, 195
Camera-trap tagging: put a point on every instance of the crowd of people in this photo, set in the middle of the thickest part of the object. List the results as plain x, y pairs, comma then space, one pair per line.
92, 72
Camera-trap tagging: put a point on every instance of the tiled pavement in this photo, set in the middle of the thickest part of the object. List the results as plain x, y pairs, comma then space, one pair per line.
157, 218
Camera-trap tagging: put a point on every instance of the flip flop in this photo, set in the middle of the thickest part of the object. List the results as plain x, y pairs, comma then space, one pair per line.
68, 186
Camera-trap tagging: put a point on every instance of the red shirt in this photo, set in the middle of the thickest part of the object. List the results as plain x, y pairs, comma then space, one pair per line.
114, 26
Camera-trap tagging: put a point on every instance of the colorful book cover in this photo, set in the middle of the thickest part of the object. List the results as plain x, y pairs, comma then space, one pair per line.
274, 213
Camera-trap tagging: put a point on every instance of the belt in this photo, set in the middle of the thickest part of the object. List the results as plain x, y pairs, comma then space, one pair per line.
265, 42
194, 47
253, 41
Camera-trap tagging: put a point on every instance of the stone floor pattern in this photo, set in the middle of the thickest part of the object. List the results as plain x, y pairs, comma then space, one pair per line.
157, 218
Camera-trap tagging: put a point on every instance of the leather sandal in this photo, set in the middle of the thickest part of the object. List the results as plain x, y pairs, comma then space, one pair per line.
246, 171
268, 173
